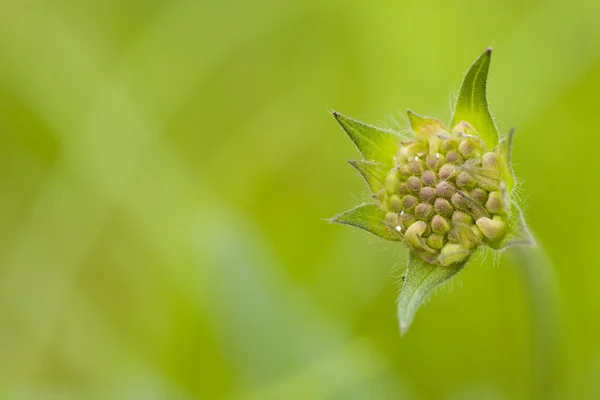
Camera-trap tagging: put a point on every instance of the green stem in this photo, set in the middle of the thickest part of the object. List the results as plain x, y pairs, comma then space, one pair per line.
538, 275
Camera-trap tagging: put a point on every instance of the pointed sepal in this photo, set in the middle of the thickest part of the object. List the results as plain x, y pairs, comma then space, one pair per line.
472, 106
374, 143
424, 126
504, 152
369, 217
373, 172
420, 279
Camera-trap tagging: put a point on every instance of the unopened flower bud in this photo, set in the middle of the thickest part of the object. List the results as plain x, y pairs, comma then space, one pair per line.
461, 218
435, 161
395, 203
448, 145
454, 157
443, 207
465, 181
392, 183
495, 203
439, 225
445, 190
493, 229
470, 148
446, 171
452, 253
427, 194
436, 241
409, 202
414, 184
428, 178
413, 236
424, 211
479, 195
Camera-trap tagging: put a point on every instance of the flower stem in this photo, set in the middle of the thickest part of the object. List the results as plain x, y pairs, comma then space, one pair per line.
538, 275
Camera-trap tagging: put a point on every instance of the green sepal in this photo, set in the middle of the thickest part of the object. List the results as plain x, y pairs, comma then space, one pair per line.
504, 152
373, 172
373, 143
424, 126
516, 230
472, 106
369, 217
420, 279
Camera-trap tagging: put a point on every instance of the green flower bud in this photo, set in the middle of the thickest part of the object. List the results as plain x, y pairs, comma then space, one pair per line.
427, 194
443, 207
461, 218
452, 253
495, 203
436, 241
439, 225
479, 195
424, 211
454, 157
470, 148
392, 183
414, 239
447, 171
414, 184
465, 181
395, 203
448, 145
409, 202
493, 229
443, 192
435, 161
428, 178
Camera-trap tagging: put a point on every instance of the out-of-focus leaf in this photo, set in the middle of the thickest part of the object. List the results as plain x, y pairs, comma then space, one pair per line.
420, 279
374, 143
373, 172
472, 105
369, 217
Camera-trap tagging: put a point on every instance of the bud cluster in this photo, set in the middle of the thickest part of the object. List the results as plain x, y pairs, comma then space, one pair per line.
444, 197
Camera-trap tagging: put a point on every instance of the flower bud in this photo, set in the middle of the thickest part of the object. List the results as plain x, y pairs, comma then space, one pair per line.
392, 183
465, 181
413, 237
454, 157
414, 184
479, 195
443, 207
409, 202
427, 194
436, 241
493, 229
445, 190
452, 253
428, 178
439, 225
448, 145
495, 203
461, 218
424, 211
435, 161
395, 203
446, 171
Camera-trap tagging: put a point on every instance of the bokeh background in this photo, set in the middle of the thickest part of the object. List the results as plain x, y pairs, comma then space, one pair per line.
165, 165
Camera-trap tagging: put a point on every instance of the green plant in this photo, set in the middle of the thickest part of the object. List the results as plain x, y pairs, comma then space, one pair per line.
445, 192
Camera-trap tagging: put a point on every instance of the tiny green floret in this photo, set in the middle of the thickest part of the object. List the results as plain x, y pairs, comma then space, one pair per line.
444, 191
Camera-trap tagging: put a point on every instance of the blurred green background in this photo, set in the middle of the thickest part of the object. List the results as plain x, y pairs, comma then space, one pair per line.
165, 165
